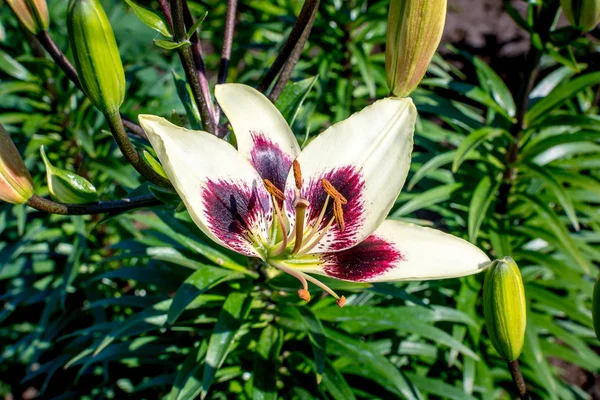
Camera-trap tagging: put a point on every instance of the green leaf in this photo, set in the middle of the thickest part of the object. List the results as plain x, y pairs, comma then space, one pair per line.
188, 381
196, 284
196, 25
67, 187
170, 45
560, 232
382, 369
438, 387
495, 85
232, 316
482, 198
315, 332
154, 164
427, 199
471, 142
335, 384
12, 67
292, 97
559, 191
185, 96
560, 95
150, 18
265, 364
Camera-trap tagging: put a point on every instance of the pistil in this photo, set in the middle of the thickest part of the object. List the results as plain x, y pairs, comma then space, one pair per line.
300, 204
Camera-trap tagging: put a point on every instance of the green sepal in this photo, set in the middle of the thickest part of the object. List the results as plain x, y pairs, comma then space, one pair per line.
67, 187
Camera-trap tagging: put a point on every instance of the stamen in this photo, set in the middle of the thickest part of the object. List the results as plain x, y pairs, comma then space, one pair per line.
314, 228
303, 293
284, 233
340, 301
330, 190
316, 241
300, 205
273, 190
338, 214
297, 174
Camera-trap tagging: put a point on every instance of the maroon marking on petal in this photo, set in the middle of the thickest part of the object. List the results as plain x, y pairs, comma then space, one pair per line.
349, 182
233, 208
363, 262
269, 160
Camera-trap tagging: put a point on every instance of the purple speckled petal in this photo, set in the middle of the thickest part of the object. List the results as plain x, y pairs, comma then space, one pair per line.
366, 158
223, 193
263, 135
399, 251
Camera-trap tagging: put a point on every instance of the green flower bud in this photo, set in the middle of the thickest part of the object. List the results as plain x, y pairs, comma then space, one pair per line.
67, 187
96, 55
596, 307
414, 32
33, 14
582, 14
16, 185
504, 307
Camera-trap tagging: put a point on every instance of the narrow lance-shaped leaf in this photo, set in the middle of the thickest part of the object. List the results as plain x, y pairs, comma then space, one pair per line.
232, 316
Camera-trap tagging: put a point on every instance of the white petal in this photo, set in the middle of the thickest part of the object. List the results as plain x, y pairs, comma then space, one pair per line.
366, 158
399, 251
263, 135
223, 193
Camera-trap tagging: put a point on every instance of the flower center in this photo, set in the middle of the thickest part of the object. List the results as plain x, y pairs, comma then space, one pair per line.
291, 246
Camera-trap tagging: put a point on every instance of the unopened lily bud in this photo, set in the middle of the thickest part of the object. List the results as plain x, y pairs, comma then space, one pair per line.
582, 14
504, 307
33, 14
414, 32
596, 307
16, 185
67, 187
96, 55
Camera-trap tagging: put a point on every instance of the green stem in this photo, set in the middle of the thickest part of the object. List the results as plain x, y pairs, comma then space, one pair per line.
131, 154
116, 206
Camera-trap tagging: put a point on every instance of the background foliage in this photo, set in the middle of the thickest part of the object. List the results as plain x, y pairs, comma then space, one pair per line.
143, 305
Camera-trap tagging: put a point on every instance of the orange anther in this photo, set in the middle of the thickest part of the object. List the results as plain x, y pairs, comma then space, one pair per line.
338, 214
304, 295
297, 174
273, 190
341, 302
331, 191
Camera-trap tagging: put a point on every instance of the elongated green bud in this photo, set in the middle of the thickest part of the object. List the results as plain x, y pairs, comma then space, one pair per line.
67, 187
16, 185
96, 55
582, 14
596, 307
504, 307
414, 32
33, 14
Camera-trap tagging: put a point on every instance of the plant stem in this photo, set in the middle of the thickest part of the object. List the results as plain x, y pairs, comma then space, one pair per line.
544, 21
288, 68
116, 206
227, 40
301, 23
201, 96
59, 58
226, 50
129, 151
166, 9
517, 377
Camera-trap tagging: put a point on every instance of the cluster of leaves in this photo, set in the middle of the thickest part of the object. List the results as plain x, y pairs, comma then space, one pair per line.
143, 305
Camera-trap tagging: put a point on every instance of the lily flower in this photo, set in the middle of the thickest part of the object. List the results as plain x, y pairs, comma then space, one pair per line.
317, 211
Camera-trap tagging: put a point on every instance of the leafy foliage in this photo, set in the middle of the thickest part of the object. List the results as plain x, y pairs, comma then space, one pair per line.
143, 305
